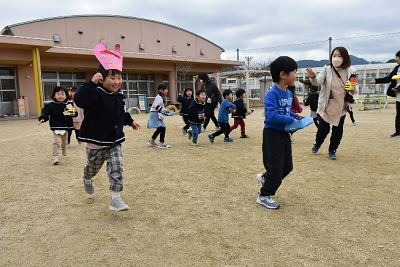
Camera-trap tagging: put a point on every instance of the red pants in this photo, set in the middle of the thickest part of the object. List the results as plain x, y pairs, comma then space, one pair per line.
239, 121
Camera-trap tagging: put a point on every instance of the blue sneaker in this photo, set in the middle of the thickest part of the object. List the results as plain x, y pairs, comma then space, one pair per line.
268, 202
211, 137
260, 178
228, 139
395, 135
332, 155
315, 148
189, 135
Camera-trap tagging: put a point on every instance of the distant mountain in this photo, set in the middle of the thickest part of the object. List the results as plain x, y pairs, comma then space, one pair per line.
320, 63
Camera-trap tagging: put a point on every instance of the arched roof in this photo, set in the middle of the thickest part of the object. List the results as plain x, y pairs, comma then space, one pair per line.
106, 15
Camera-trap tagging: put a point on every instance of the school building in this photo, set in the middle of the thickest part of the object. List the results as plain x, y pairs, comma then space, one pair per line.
36, 56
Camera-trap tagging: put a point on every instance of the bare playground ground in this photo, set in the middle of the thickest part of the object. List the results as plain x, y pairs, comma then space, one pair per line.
196, 206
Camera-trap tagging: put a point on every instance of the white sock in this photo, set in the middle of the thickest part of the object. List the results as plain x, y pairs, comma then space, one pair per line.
115, 194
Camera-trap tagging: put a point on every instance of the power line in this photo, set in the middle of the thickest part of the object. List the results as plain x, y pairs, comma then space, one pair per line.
289, 45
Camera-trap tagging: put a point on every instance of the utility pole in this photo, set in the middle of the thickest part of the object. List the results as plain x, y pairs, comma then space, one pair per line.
237, 58
330, 47
248, 61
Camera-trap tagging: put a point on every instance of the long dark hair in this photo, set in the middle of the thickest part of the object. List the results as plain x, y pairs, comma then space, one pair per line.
345, 55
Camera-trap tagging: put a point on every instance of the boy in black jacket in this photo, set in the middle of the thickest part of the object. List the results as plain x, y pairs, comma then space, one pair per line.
101, 129
240, 113
197, 112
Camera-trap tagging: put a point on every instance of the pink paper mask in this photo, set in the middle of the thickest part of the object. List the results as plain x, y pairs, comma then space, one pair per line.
108, 59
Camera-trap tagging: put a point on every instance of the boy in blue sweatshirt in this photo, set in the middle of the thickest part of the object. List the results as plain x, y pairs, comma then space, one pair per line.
277, 147
223, 117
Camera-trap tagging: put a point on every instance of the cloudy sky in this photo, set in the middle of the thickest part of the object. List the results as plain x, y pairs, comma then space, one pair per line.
260, 29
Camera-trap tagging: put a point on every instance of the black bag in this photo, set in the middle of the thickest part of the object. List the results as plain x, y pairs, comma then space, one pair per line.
348, 97
391, 92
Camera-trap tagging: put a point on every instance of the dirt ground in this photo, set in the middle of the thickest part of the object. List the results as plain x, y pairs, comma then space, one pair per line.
196, 206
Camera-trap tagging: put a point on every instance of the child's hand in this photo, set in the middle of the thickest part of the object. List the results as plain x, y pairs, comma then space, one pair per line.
97, 78
135, 125
41, 121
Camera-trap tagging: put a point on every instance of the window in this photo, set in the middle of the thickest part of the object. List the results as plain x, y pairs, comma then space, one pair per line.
8, 88
137, 83
64, 79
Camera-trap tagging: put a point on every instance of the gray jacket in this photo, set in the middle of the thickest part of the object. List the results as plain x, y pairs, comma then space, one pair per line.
324, 78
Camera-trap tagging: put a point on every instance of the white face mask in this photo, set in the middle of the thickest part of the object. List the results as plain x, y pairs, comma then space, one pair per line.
337, 61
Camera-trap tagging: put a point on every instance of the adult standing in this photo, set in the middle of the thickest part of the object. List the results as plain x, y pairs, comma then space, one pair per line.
213, 98
390, 92
331, 105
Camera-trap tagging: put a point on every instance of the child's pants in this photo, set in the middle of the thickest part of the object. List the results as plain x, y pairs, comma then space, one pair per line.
185, 119
239, 121
196, 130
160, 131
114, 168
225, 129
59, 141
277, 159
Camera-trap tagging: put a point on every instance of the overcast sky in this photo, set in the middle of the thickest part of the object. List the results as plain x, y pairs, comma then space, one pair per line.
261, 29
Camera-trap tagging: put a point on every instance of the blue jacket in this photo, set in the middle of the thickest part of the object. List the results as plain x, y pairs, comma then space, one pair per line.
186, 101
277, 108
223, 115
105, 115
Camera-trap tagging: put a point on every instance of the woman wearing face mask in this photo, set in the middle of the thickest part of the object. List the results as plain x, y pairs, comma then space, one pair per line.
331, 105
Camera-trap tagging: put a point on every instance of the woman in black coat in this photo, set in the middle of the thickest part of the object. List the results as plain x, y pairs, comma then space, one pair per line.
393, 91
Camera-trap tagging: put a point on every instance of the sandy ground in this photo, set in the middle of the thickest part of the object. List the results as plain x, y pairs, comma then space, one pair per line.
196, 206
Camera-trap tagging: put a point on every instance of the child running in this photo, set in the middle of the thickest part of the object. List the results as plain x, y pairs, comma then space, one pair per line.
276, 147
102, 127
240, 113
312, 101
186, 99
197, 112
60, 111
156, 118
223, 117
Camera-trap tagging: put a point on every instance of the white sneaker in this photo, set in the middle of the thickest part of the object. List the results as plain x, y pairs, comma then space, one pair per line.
260, 178
202, 129
267, 201
151, 143
163, 145
117, 204
355, 123
55, 160
183, 130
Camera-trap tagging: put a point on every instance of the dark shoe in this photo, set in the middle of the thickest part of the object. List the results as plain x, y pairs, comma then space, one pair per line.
332, 155
315, 148
88, 186
395, 135
244, 136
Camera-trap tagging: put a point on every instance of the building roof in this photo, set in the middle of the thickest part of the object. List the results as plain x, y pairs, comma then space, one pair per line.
4, 30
